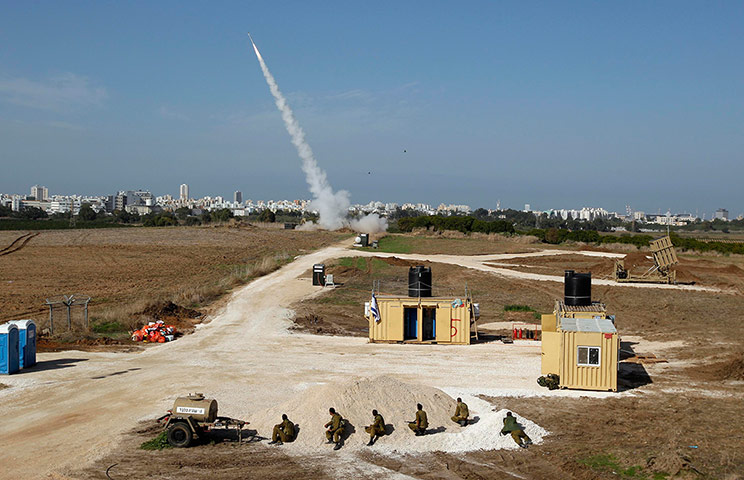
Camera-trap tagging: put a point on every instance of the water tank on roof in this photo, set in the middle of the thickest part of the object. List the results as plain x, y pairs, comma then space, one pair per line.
419, 281
577, 289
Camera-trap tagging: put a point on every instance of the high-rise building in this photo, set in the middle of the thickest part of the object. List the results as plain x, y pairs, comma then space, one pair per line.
238, 196
184, 193
721, 214
40, 193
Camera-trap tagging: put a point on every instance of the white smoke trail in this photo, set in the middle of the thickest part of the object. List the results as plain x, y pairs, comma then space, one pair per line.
332, 207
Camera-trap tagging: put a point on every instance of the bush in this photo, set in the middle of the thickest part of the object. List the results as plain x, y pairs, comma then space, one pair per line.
158, 443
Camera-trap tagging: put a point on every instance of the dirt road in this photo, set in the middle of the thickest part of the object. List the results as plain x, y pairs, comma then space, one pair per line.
74, 406
490, 263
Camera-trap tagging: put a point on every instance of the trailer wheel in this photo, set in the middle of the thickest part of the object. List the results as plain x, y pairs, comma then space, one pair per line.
180, 435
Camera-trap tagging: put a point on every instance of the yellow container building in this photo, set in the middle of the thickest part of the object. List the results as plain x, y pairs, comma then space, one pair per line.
441, 320
580, 344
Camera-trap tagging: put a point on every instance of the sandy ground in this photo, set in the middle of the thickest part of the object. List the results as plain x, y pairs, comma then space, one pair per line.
77, 405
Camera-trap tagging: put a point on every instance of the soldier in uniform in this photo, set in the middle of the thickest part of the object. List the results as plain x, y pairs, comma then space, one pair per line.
421, 424
511, 426
461, 413
335, 428
377, 429
284, 432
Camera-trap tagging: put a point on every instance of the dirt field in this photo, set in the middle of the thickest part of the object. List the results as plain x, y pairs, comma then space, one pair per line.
682, 417
125, 269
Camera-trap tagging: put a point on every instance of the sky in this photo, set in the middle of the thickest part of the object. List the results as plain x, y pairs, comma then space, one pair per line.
555, 104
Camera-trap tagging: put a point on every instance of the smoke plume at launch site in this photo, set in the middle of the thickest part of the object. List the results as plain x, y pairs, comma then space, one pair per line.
332, 207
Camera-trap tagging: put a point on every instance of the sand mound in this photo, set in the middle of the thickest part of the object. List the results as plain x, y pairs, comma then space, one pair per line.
396, 402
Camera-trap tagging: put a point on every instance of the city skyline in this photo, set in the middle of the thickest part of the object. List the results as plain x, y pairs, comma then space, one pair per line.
117, 201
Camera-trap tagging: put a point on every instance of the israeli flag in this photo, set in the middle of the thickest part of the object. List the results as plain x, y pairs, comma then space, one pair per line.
374, 309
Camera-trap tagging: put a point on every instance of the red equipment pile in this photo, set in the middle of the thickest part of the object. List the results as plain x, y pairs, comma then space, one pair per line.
155, 332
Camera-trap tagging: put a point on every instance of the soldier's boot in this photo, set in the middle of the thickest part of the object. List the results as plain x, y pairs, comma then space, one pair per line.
279, 442
463, 423
338, 446
272, 442
371, 442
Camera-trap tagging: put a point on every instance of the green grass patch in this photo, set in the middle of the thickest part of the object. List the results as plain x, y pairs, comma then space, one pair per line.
362, 263
158, 443
519, 308
395, 244
609, 464
107, 327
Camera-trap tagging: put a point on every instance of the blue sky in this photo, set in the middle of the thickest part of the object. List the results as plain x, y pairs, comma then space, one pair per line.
556, 104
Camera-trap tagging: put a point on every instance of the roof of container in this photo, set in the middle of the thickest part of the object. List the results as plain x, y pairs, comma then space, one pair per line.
594, 307
423, 299
599, 325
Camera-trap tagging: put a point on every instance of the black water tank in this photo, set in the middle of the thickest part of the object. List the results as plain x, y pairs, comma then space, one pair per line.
577, 289
419, 281
319, 274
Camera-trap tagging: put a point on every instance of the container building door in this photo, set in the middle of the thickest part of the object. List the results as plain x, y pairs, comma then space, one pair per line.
410, 323
429, 323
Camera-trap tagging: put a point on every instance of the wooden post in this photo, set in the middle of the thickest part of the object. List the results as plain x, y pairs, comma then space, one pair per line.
51, 320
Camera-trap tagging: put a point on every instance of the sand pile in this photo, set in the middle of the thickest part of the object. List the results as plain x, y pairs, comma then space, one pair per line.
396, 402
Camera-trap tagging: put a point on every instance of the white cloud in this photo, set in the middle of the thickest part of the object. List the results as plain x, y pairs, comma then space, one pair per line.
65, 91
166, 112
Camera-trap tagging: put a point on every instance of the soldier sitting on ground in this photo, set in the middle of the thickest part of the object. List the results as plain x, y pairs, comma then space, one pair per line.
335, 428
511, 426
461, 413
377, 429
284, 432
421, 424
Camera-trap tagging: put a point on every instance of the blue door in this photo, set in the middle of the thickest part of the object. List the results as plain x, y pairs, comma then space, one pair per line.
410, 323
429, 321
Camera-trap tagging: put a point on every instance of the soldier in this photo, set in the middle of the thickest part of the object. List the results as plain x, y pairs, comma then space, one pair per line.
284, 432
511, 426
461, 413
421, 424
377, 429
335, 428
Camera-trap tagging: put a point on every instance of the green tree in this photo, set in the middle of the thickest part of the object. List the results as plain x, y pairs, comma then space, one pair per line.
86, 213
183, 212
32, 213
222, 215
267, 216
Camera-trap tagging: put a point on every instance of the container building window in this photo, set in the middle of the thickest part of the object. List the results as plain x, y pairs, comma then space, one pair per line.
588, 356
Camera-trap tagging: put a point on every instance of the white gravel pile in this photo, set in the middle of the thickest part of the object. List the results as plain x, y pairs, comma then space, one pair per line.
396, 402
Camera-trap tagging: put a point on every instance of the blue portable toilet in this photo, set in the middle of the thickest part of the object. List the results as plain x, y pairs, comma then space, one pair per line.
26, 342
8, 349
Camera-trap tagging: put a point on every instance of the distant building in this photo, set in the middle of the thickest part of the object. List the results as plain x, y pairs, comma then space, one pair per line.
40, 193
238, 196
721, 214
120, 201
527, 207
184, 193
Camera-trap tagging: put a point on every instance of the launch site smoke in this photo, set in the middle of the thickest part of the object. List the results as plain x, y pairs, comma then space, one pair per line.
333, 207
